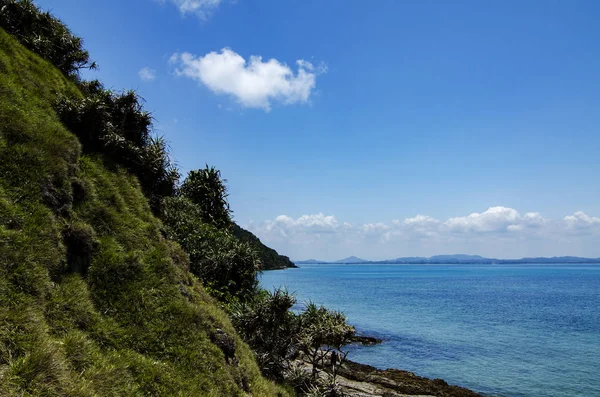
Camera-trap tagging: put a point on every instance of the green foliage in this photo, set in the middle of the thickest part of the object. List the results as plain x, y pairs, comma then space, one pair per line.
278, 337
116, 125
226, 266
93, 300
269, 258
322, 331
271, 329
324, 327
324, 387
206, 189
45, 35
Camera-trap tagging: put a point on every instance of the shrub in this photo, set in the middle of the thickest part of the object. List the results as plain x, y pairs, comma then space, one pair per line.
271, 330
205, 188
323, 330
227, 266
117, 126
44, 34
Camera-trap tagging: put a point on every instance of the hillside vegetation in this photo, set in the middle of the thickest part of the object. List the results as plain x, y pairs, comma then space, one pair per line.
116, 277
269, 258
94, 301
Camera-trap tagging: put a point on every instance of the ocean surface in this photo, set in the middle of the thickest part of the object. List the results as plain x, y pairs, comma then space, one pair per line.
501, 330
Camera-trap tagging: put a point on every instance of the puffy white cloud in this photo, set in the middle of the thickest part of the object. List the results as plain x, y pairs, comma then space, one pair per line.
494, 219
378, 230
253, 84
147, 74
580, 222
497, 232
312, 224
534, 219
417, 226
201, 8
420, 221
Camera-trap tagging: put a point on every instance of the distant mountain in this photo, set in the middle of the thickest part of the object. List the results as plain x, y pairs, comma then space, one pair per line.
309, 262
458, 259
352, 259
409, 259
554, 259
269, 258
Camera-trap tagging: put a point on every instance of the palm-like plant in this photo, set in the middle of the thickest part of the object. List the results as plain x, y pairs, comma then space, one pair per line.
117, 126
322, 331
46, 35
227, 266
271, 329
206, 189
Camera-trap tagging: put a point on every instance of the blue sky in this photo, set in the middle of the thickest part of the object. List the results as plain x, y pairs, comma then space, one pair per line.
407, 128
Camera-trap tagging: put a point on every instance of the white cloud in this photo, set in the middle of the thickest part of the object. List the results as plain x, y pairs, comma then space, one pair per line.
580, 221
497, 232
374, 227
312, 224
420, 222
147, 74
494, 219
253, 84
417, 226
201, 8
534, 219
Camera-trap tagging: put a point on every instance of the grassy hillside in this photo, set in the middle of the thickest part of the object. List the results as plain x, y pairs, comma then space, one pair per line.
93, 300
269, 258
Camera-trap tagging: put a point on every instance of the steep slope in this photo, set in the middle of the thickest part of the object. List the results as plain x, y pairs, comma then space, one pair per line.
93, 300
269, 258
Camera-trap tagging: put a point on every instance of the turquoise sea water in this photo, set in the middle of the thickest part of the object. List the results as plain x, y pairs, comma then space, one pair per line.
507, 330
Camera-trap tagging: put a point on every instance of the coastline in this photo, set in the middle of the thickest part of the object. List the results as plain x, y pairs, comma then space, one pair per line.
362, 380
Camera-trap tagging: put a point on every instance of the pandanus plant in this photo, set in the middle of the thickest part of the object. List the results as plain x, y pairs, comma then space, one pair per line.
46, 35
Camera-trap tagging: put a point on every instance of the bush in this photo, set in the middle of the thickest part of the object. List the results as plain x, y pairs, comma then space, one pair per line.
227, 266
208, 191
322, 331
271, 330
278, 337
44, 34
117, 126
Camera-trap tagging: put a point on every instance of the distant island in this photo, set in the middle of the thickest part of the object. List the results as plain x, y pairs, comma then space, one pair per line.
457, 259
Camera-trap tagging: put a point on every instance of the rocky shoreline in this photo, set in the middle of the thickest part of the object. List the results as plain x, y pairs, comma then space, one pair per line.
360, 380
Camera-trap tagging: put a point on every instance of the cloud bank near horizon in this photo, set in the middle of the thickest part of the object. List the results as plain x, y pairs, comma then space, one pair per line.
499, 232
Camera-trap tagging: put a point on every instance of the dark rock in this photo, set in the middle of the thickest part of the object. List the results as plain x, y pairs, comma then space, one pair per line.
403, 382
366, 340
226, 343
80, 241
185, 292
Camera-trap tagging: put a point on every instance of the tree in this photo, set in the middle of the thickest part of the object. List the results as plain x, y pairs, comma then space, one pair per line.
270, 328
322, 331
206, 189
117, 126
226, 266
46, 35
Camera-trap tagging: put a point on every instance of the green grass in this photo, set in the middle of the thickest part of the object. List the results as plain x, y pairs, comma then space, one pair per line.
93, 300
